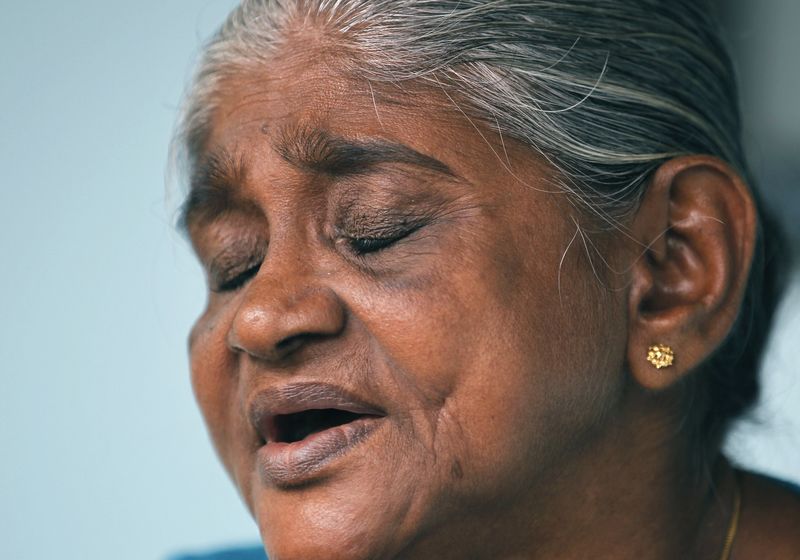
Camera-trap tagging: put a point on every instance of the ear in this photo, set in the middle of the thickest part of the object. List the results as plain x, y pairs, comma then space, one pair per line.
697, 226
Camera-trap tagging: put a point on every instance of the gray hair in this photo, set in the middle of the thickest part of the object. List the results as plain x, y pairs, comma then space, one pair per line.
604, 90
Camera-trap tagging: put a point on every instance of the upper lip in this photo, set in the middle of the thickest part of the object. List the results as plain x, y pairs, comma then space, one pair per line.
269, 403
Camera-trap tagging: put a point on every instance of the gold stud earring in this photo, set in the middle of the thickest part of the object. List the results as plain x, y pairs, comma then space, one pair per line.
660, 356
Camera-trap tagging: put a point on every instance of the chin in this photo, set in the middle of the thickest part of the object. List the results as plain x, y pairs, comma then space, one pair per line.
325, 523
345, 491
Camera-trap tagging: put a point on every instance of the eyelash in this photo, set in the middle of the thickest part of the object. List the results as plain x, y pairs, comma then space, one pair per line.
361, 246
237, 281
366, 245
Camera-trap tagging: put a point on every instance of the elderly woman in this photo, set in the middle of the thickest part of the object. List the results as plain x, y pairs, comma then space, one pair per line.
487, 279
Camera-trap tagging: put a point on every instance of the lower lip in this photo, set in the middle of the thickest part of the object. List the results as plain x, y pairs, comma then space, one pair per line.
293, 464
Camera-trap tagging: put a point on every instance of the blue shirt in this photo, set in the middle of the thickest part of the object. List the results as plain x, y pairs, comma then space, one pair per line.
249, 553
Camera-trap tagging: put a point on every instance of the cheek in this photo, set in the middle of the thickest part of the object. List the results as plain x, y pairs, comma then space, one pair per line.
502, 367
210, 384
554, 351
215, 386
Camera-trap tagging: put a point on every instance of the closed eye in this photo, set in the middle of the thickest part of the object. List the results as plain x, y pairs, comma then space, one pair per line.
236, 281
364, 245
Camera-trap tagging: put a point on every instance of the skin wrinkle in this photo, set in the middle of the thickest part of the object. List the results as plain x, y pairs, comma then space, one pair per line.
435, 402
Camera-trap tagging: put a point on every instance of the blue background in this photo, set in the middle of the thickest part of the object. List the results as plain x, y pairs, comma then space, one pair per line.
103, 452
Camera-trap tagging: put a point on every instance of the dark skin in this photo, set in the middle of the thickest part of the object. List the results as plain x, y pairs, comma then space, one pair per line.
521, 417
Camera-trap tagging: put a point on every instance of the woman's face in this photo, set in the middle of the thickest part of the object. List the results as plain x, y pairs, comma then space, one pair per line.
377, 258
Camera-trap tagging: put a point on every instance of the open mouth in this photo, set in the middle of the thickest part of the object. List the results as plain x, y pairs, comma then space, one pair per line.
291, 428
304, 427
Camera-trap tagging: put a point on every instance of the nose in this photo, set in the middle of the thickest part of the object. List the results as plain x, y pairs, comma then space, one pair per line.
280, 314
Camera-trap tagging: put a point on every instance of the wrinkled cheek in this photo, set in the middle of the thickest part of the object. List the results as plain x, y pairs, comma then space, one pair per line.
215, 386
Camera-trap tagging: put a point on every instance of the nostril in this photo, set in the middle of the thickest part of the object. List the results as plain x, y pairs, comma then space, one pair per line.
290, 344
293, 343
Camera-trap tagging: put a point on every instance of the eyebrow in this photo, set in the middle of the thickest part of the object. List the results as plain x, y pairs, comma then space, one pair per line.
212, 189
321, 152
216, 182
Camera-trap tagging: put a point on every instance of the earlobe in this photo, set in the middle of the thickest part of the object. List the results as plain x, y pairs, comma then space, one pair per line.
696, 227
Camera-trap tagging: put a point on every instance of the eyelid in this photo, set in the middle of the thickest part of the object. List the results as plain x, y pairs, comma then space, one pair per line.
367, 240
382, 226
239, 259
236, 280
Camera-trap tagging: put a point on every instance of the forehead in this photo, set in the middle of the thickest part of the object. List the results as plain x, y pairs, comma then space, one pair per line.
300, 97
299, 105
300, 102
308, 118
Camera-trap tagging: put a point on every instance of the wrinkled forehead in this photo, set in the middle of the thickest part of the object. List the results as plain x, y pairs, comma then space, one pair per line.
319, 117
307, 110
304, 94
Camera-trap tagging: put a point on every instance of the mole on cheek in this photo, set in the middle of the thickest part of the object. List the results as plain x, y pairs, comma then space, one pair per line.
456, 471
265, 128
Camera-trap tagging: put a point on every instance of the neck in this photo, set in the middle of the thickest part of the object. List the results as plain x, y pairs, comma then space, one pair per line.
627, 492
